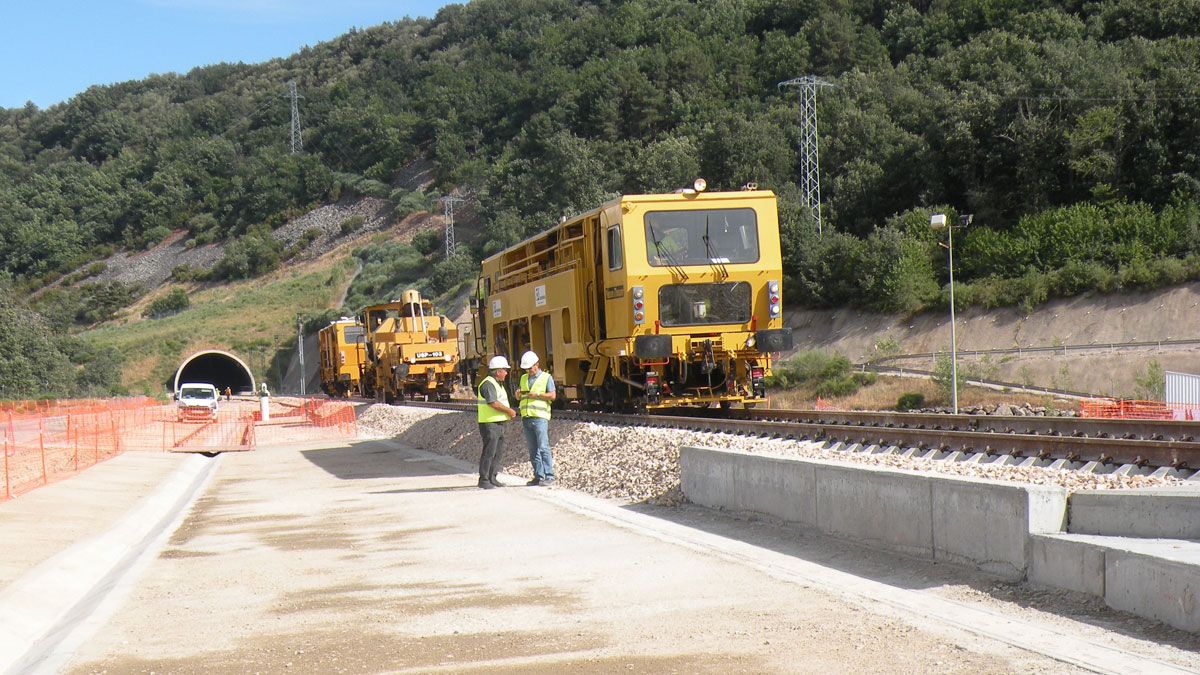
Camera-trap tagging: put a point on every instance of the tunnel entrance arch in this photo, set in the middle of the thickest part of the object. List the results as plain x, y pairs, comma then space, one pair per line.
218, 368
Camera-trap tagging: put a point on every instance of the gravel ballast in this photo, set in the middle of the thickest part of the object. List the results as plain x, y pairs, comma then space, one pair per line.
642, 463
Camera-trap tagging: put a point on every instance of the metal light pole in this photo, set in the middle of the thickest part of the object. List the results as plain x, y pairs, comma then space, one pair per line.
300, 350
938, 220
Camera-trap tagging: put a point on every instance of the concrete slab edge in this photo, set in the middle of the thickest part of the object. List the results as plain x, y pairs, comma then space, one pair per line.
40, 608
1012, 531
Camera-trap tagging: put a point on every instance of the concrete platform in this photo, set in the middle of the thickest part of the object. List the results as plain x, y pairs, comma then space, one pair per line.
1010, 530
73, 540
1153, 578
1157, 514
984, 524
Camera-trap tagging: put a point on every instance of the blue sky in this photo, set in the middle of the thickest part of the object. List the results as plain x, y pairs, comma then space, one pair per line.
51, 50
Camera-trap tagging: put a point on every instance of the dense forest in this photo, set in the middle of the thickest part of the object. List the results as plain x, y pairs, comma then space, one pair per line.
1068, 129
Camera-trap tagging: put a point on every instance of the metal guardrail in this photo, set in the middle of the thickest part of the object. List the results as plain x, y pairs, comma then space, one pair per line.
1111, 346
983, 381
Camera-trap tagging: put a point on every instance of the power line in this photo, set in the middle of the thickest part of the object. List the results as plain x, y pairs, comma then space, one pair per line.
810, 174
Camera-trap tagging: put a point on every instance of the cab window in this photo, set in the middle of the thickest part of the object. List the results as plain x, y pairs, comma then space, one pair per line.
615, 258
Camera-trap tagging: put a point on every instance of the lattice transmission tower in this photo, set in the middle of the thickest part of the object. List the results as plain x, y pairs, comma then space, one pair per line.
297, 137
448, 203
810, 156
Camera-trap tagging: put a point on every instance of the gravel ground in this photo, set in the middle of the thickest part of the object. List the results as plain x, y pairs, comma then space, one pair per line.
150, 269
642, 464
327, 220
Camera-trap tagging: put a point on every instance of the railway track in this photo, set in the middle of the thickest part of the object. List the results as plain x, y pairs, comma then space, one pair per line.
1159, 447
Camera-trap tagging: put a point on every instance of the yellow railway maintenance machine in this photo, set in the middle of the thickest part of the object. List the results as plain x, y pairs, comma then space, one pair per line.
411, 351
342, 354
647, 301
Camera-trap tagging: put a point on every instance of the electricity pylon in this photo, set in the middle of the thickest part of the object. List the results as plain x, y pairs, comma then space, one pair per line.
297, 138
810, 175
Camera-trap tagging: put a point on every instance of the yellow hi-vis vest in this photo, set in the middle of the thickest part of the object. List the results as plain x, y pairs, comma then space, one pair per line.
535, 407
486, 412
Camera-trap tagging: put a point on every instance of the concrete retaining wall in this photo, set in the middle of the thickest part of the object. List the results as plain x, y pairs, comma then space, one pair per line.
980, 523
1163, 514
1155, 578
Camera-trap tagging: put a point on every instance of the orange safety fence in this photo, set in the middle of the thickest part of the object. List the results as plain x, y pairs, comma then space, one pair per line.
311, 419
47, 441
1138, 410
822, 404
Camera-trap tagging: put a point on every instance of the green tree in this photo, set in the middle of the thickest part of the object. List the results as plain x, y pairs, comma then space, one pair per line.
1152, 382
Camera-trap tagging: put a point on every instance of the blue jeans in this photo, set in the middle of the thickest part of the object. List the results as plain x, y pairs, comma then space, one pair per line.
537, 438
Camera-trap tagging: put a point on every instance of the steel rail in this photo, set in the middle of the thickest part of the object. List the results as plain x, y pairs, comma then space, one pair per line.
938, 435
1034, 425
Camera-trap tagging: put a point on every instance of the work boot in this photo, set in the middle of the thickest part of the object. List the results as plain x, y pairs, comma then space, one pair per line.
535, 481
495, 482
486, 484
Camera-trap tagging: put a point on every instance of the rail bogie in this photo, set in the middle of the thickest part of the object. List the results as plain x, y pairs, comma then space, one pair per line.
647, 301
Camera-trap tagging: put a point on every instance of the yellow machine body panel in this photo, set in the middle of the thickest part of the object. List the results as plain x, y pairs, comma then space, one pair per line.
412, 351
342, 351
648, 300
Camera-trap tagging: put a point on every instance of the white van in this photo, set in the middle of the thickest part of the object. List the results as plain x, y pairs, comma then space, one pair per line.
197, 401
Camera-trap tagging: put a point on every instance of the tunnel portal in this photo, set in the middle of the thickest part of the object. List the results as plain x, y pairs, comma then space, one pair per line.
220, 369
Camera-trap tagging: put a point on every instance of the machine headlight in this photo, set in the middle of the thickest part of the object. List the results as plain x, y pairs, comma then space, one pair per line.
700, 185
750, 342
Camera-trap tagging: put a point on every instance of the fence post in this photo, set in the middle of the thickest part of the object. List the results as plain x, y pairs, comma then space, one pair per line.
73, 438
42, 448
7, 485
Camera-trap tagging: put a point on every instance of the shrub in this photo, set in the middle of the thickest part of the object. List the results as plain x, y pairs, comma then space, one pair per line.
351, 224
427, 241
910, 401
185, 272
254, 253
410, 202
154, 235
171, 303
450, 273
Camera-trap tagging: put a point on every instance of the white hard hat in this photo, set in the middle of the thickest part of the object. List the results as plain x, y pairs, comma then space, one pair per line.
497, 363
528, 359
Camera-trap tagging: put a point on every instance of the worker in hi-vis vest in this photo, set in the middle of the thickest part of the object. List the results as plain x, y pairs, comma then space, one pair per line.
535, 395
493, 410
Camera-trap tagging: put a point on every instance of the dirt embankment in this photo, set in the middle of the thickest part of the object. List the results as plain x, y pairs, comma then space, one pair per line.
1095, 321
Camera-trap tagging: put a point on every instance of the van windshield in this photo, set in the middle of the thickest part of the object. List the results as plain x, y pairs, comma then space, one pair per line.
197, 392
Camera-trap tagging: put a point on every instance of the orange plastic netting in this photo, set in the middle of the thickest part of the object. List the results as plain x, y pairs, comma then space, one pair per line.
44, 441
1138, 410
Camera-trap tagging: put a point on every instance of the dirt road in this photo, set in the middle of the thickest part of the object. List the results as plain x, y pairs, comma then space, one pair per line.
372, 557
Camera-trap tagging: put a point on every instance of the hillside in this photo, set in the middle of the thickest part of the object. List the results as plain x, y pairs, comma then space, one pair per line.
1093, 321
1067, 130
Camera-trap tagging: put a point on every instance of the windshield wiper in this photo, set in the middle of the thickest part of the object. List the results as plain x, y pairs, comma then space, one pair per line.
666, 254
711, 249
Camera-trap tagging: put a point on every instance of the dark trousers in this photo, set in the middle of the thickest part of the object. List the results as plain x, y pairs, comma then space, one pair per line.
493, 439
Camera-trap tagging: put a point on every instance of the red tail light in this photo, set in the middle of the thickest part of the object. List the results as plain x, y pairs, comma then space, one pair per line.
651, 378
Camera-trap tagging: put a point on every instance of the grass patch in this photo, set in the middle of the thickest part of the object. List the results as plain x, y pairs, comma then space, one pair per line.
252, 319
